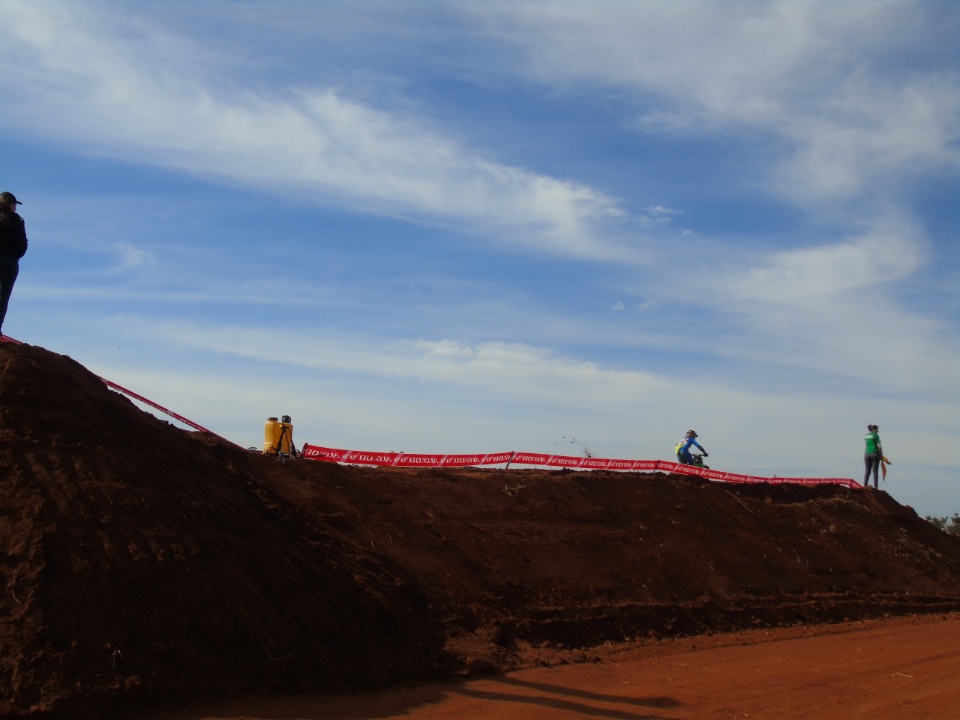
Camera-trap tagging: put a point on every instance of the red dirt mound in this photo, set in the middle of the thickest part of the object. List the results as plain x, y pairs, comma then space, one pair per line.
144, 564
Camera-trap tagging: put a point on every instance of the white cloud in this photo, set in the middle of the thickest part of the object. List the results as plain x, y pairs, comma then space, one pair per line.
817, 275
659, 215
814, 75
831, 309
493, 367
133, 258
872, 133
160, 101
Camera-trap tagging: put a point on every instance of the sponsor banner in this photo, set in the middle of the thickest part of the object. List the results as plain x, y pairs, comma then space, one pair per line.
846, 482
467, 460
530, 459
417, 460
369, 458
736, 477
567, 461
596, 463
680, 468
313, 452
354, 457
399, 459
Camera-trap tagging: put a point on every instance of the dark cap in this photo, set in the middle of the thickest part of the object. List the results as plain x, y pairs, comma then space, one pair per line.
9, 197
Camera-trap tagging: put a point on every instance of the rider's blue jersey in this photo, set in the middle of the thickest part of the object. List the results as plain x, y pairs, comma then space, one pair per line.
686, 442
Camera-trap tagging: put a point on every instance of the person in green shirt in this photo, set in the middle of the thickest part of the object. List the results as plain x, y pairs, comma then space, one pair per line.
872, 456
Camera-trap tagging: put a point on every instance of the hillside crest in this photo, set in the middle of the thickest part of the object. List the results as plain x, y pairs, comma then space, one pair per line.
143, 563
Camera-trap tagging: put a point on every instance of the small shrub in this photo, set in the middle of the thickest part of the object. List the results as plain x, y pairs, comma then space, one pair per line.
948, 525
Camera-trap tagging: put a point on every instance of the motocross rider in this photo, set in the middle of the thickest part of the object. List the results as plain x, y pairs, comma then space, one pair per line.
683, 448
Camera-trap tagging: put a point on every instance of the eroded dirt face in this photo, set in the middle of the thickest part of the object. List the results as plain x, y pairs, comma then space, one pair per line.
142, 563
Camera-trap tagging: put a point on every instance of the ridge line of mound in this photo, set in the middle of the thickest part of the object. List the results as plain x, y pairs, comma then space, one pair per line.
142, 563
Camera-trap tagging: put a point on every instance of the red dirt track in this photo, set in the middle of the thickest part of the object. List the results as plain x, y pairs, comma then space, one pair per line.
145, 566
900, 669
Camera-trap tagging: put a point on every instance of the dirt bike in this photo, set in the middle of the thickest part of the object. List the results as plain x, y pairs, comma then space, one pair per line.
697, 461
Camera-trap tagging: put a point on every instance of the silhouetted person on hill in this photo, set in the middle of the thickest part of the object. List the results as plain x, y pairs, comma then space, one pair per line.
683, 448
872, 456
13, 246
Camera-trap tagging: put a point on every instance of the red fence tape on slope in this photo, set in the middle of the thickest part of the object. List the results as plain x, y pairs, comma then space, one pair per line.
399, 459
165, 411
112, 385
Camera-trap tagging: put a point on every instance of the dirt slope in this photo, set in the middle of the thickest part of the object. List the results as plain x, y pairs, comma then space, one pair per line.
141, 563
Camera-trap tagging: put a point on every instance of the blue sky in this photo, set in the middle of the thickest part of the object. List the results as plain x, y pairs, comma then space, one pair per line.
483, 226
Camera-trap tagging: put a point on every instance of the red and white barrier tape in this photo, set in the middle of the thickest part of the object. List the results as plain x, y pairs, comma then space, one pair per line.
113, 386
399, 459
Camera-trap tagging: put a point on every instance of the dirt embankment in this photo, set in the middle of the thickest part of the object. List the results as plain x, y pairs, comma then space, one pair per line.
143, 564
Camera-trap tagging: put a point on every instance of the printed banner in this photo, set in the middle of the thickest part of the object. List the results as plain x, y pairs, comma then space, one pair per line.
396, 459
399, 459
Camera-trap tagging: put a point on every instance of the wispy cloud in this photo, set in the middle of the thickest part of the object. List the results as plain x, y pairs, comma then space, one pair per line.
155, 102
827, 89
889, 251
837, 130
831, 308
132, 258
496, 367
